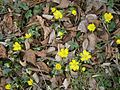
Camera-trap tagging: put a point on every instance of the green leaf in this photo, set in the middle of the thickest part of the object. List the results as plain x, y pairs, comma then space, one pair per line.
111, 26
24, 6
28, 14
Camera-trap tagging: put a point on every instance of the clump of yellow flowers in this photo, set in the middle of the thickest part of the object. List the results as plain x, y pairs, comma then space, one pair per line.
57, 14
8, 86
108, 17
91, 27
63, 53
85, 55
74, 12
118, 41
74, 65
30, 82
17, 46
28, 35
58, 66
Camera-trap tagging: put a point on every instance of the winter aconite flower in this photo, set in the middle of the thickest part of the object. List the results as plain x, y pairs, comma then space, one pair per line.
8, 86
74, 65
74, 12
118, 41
60, 34
57, 14
53, 9
28, 35
58, 66
91, 27
108, 17
30, 82
83, 69
85, 55
63, 53
16, 46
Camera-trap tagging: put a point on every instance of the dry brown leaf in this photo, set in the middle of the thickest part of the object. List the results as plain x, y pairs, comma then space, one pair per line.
64, 4
36, 78
52, 36
2, 51
42, 66
91, 17
85, 44
30, 56
66, 83
27, 44
23, 63
50, 49
41, 53
93, 84
46, 29
45, 41
92, 42
82, 26
48, 17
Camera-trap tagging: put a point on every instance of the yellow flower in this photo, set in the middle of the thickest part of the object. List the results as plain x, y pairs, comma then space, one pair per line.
74, 65
30, 82
74, 12
83, 69
58, 66
63, 53
85, 55
60, 34
53, 9
8, 86
91, 27
118, 41
16, 46
108, 17
57, 14
28, 35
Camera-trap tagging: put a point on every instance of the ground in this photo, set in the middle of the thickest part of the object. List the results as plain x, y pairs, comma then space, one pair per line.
59, 45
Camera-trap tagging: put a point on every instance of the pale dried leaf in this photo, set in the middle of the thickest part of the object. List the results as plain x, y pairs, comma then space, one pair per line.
23, 63
64, 4
36, 78
82, 26
52, 36
93, 84
66, 83
41, 53
42, 66
30, 56
46, 29
85, 44
27, 44
91, 17
92, 42
58, 58
50, 49
48, 17
2, 51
